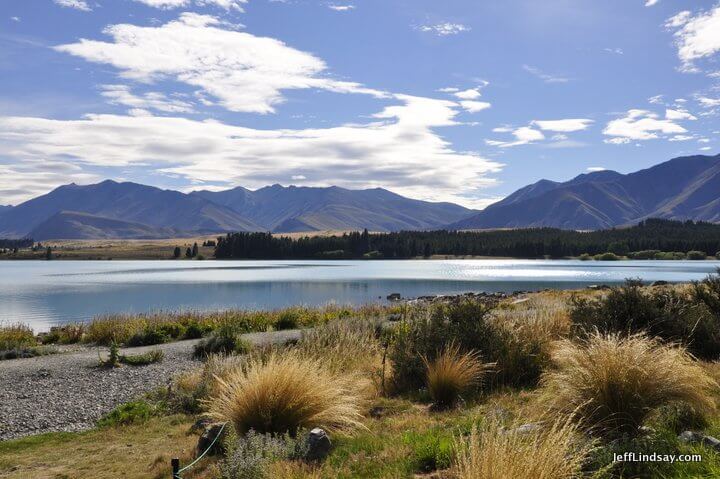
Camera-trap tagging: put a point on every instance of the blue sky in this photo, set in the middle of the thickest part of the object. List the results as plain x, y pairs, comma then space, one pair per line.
460, 100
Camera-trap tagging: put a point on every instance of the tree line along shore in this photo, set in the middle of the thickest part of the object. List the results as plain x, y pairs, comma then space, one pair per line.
650, 239
546, 385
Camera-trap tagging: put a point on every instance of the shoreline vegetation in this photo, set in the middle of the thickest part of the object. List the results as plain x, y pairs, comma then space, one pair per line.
554, 384
652, 239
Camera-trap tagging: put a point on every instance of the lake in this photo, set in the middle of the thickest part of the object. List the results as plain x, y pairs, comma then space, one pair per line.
46, 293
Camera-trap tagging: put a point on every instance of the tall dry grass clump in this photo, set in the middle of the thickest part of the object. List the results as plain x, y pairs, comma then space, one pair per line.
15, 336
452, 373
285, 393
491, 452
614, 382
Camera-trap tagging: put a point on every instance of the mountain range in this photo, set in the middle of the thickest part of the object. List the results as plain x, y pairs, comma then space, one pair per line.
682, 188
129, 210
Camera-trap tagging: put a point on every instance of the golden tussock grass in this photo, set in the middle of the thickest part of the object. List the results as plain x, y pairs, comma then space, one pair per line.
285, 393
452, 373
490, 452
14, 336
614, 383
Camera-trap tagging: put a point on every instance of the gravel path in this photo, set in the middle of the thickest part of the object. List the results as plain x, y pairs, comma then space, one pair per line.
68, 392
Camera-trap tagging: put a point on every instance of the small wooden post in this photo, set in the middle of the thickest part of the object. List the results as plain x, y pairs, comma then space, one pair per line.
175, 462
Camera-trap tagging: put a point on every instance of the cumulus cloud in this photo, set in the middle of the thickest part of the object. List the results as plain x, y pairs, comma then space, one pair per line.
397, 149
697, 36
170, 4
469, 94
593, 169
122, 95
76, 4
565, 126
640, 125
244, 72
444, 29
650, 3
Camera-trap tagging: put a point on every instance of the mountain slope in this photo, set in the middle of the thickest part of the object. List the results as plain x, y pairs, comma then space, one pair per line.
74, 225
682, 188
127, 202
288, 209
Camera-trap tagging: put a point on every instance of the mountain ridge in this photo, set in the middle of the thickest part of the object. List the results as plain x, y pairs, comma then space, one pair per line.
681, 188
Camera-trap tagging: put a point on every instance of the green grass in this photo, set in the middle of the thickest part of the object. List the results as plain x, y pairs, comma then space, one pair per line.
143, 359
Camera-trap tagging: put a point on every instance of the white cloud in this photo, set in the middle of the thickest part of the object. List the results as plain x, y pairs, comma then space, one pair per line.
472, 106
547, 78
671, 114
76, 4
523, 136
444, 29
640, 125
15, 19
706, 148
170, 4
449, 89
706, 102
565, 126
469, 94
656, 100
121, 95
341, 8
398, 149
593, 169
650, 3
696, 36
681, 138
298, 177
246, 73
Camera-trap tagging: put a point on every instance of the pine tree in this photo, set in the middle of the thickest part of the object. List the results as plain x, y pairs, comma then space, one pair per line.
177, 252
194, 250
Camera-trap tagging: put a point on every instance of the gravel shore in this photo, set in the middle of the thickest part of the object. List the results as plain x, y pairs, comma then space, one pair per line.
69, 392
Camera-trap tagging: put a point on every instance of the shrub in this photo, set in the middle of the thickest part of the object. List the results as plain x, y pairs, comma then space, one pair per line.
696, 255
613, 383
143, 359
557, 452
669, 314
286, 393
225, 340
607, 257
16, 336
584, 257
717, 255
189, 391
253, 453
128, 413
26, 352
451, 373
425, 331
288, 319
149, 337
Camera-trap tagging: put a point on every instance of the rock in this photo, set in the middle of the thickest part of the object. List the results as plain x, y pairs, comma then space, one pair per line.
201, 424
692, 437
319, 445
659, 283
598, 287
212, 431
377, 412
394, 317
394, 297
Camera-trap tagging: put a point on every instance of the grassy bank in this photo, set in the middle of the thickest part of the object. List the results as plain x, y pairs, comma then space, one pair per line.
549, 386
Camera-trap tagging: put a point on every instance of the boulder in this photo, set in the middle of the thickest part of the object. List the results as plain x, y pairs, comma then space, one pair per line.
394, 297
212, 431
318, 445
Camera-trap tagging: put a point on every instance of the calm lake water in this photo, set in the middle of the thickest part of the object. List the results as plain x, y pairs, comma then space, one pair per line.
45, 293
